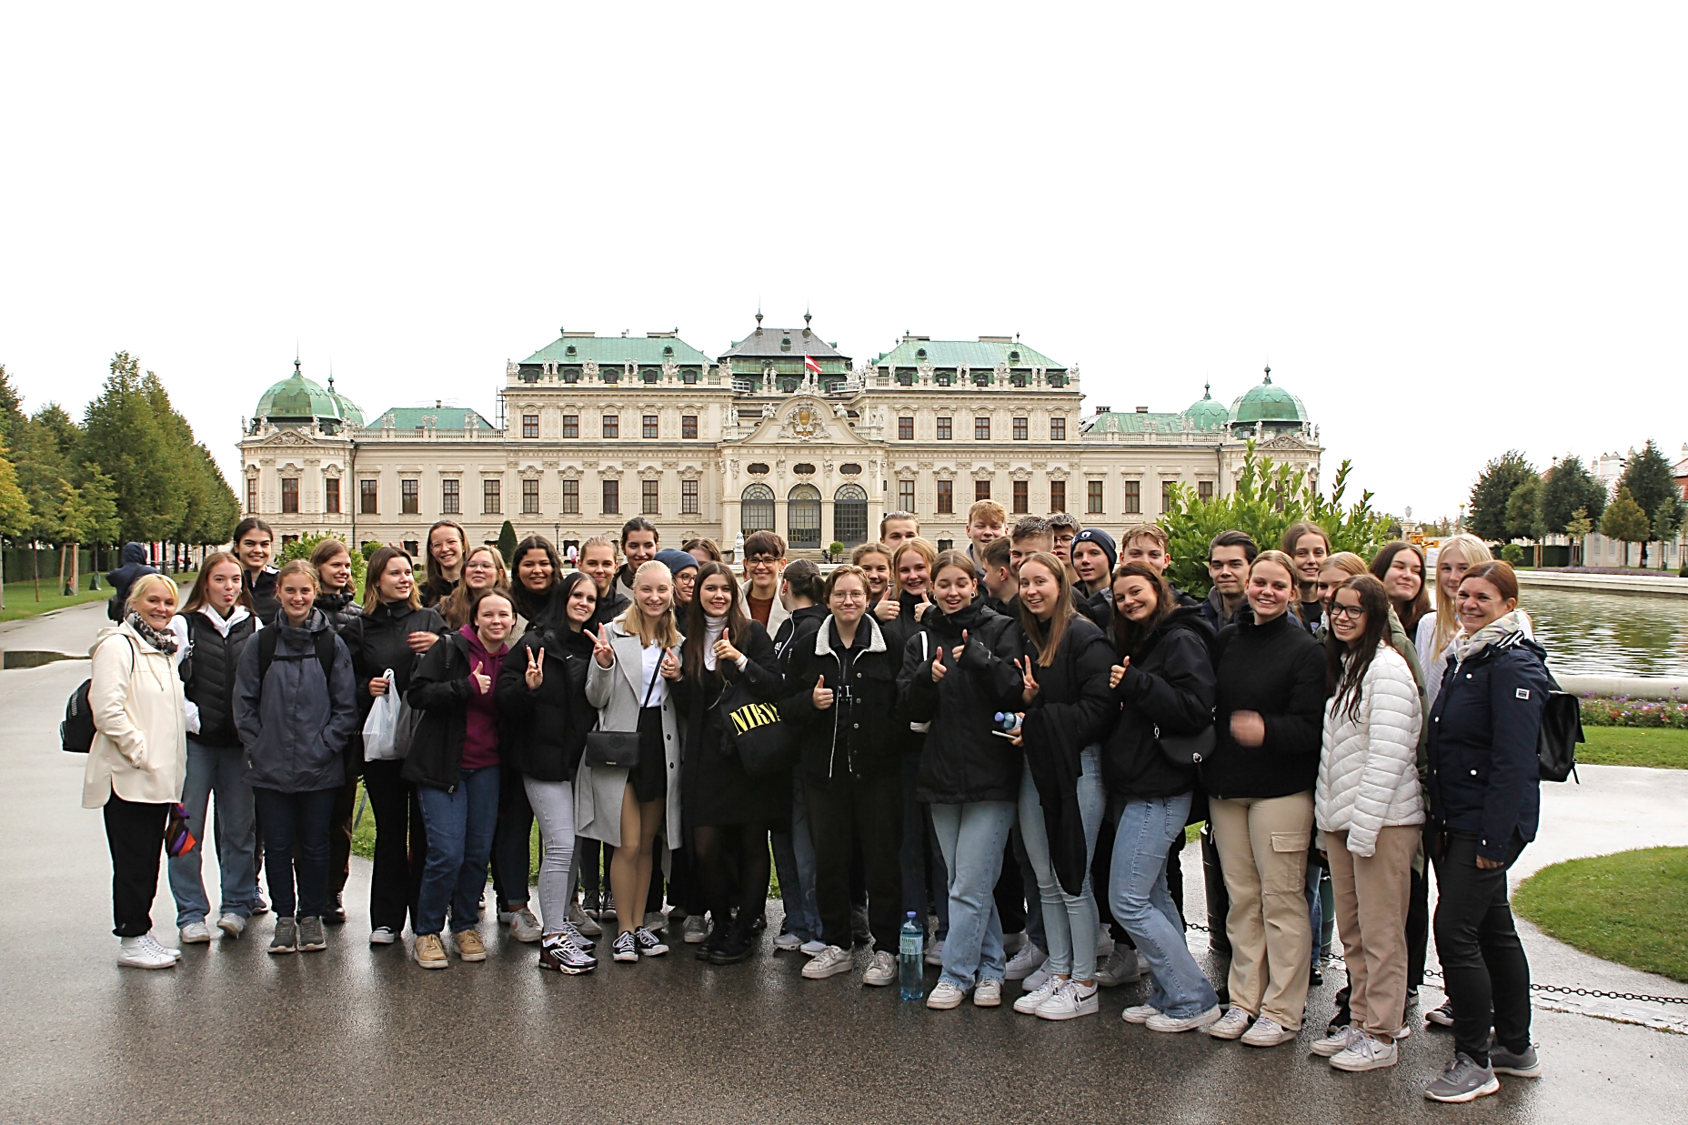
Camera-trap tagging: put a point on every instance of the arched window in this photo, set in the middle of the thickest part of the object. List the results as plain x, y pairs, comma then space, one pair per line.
849, 515
756, 509
803, 517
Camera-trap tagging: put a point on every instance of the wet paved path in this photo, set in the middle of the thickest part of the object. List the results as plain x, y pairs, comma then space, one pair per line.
363, 1036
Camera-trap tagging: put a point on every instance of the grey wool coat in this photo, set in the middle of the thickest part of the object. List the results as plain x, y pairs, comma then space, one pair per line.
616, 692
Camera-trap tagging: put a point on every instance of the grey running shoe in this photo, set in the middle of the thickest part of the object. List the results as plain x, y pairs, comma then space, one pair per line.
1523, 1064
1122, 967
286, 939
311, 935
1462, 1081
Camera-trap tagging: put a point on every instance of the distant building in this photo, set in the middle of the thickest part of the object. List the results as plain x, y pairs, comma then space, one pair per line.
779, 432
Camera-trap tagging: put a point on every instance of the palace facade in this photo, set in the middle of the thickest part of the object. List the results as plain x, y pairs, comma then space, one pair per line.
782, 431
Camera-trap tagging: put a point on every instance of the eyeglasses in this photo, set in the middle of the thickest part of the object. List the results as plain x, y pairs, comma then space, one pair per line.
1351, 612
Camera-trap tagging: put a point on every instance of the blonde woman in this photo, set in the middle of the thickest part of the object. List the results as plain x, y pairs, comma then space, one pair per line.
1458, 554
633, 659
138, 760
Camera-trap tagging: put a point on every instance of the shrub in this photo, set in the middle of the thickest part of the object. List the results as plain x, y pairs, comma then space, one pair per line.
1622, 711
302, 547
1512, 553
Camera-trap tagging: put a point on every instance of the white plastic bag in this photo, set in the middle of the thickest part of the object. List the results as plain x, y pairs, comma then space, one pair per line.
381, 729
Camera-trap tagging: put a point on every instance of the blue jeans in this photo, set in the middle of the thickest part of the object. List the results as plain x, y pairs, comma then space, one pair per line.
219, 770
1070, 922
296, 827
972, 837
794, 860
460, 827
1141, 903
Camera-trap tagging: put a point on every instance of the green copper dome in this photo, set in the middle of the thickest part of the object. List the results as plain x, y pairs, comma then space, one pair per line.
1270, 404
349, 412
1206, 414
297, 400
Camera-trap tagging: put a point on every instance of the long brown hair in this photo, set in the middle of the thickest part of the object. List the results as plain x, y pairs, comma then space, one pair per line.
378, 566
436, 576
327, 549
1047, 638
1346, 665
196, 596
1408, 612
697, 625
1126, 633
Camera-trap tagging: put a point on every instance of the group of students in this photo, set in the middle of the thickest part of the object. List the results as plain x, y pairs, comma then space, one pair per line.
1043, 709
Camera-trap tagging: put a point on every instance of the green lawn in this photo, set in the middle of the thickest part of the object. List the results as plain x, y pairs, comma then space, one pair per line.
1658, 747
20, 598
1631, 907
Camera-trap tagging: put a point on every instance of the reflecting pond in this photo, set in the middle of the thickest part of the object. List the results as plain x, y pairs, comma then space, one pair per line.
1591, 634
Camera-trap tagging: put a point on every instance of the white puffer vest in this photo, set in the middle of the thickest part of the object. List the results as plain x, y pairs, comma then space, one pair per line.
1368, 777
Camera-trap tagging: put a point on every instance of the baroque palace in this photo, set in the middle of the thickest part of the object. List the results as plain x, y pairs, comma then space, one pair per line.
780, 432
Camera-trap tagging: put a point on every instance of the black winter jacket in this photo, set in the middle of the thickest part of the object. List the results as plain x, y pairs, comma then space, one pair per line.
610, 607
261, 589
1167, 688
435, 591
1484, 773
1278, 670
859, 734
546, 727
208, 675
961, 760
440, 688
379, 639
340, 609
1071, 711
804, 621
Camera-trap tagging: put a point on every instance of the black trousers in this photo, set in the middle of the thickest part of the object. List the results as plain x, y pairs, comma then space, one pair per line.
296, 838
1010, 891
1218, 898
864, 813
340, 840
511, 841
135, 834
1418, 918
401, 845
1483, 962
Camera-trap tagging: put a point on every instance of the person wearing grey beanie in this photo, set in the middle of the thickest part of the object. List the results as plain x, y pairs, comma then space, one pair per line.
683, 567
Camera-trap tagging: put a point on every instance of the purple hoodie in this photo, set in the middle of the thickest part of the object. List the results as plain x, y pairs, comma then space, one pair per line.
480, 737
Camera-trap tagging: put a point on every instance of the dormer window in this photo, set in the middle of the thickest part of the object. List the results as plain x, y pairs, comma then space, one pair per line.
1013, 357
689, 376
668, 349
785, 343
569, 350
920, 353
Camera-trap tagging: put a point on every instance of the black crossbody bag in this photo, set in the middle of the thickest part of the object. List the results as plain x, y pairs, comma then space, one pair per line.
618, 749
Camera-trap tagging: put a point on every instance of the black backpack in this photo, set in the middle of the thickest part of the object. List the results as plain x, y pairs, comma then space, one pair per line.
1561, 730
267, 640
76, 733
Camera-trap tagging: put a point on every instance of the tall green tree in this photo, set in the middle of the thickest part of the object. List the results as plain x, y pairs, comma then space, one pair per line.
507, 540
1523, 511
1653, 486
127, 440
1579, 527
15, 516
1569, 486
1494, 487
1625, 521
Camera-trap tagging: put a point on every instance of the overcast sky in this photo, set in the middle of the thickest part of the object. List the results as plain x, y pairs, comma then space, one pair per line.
1449, 228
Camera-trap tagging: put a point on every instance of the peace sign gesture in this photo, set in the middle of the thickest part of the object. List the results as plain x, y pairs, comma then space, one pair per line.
1028, 682
601, 650
535, 669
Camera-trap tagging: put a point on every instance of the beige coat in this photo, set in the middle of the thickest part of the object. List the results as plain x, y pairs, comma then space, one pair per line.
616, 692
140, 742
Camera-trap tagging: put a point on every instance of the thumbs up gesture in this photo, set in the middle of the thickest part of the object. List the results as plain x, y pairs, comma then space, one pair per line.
535, 669
724, 650
670, 666
1117, 673
822, 695
959, 650
482, 681
938, 669
925, 604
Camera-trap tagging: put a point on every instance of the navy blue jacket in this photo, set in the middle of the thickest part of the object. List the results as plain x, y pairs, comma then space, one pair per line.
295, 723
1484, 774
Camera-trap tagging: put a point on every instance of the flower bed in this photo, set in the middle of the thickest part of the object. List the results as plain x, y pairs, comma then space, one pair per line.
1622, 711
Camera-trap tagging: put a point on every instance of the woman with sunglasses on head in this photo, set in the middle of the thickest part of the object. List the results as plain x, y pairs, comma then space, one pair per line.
390, 637
444, 561
1368, 807
1269, 712
542, 695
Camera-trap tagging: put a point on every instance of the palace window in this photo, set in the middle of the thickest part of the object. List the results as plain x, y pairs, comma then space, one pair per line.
905, 495
1022, 497
1204, 491
571, 425
981, 490
290, 495
410, 497
981, 429
652, 428
1133, 497
1169, 495
331, 496
905, 428
492, 497
612, 425
571, 497
688, 498
756, 509
1022, 431
688, 427
610, 374
530, 425
689, 376
1057, 496
450, 501
946, 497
251, 495
943, 429
1057, 429
1094, 505
369, 493
612, 497
650, 502
530, 497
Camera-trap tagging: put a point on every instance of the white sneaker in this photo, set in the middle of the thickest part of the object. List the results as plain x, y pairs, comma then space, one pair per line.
945, 996
196, 933
829, 962
138, 953
1030, 1002
1024, 963
1406, 1030
656, 921
1267, 1033
987, 993
1038, 979
787, 941
935, 954
695, 930
1123, 967
582, 921
1014, 942
1337, 1041
1231, 1025
1366, 1054
882, 972
1162, 1022
382, 935
160, 947
232, 925
1104, 944
811, 948
1071, 1001
523, 925
1140, 1013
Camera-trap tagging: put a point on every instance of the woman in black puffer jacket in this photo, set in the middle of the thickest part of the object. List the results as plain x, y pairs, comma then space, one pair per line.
957, 674
542, 696
1165, 686
389, 637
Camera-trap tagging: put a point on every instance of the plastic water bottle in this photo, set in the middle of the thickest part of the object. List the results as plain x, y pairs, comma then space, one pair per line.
911, 959
1008, 721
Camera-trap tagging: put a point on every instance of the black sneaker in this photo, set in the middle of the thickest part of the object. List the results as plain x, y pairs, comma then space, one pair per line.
649, 944
335, 915
558, 953
737, 946
1441, 1017
625, 948
716, 938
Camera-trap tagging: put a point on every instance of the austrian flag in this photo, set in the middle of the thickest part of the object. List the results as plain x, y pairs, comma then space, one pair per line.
811, 365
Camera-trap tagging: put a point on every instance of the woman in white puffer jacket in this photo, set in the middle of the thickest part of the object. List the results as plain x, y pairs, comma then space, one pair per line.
1368, 806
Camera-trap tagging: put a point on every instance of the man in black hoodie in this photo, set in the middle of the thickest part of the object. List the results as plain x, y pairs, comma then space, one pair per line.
133, 566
